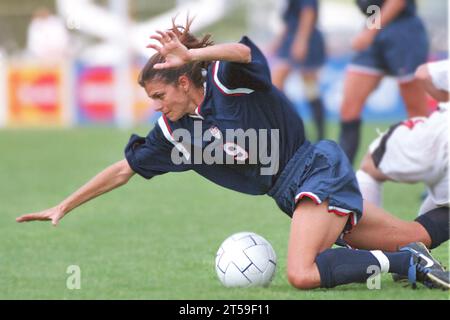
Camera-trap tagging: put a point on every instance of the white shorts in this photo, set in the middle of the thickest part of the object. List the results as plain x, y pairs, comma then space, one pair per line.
416, 150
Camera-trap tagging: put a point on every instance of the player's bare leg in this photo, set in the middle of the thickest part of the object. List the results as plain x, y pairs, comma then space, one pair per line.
415, 98
377, 229
280, 73
312, 94
357, 88
312, 263
313, 230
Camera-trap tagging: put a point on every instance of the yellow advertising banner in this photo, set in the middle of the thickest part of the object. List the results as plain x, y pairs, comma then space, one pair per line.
34, 95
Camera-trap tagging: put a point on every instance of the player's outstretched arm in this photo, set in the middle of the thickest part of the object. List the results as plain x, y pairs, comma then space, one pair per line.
112, 177
177, 55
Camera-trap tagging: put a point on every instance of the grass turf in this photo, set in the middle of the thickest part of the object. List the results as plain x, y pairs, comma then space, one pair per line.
147, 240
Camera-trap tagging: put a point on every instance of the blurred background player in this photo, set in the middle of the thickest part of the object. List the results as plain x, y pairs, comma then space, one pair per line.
397, 48
301, 46
415, 150
47, 36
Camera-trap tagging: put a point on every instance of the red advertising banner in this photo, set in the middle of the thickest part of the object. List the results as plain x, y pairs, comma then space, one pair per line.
95, 95
34, 95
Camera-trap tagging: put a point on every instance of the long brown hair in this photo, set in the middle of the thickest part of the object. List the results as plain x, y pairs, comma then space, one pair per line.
193, 69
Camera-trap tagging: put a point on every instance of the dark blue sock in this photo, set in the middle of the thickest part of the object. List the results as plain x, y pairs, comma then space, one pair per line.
398, 262
342, 266
349, 138
318, 113
436, 222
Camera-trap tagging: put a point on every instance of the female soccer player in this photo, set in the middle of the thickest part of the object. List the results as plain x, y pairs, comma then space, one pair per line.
314, 184
301, 46
396, 48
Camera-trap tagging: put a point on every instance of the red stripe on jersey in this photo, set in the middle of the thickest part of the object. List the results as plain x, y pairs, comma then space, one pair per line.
410, 123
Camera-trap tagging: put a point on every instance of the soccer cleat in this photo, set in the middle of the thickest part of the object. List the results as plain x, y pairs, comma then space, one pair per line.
424, 268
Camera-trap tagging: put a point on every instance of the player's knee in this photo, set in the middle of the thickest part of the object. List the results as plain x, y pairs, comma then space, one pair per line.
350, 109
412, 232
311, 88
301, 279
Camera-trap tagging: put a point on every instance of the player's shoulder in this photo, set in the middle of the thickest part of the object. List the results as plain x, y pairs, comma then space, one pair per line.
165, 131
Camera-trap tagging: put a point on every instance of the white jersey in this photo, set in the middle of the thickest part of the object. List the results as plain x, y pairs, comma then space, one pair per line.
416, 150
439, 74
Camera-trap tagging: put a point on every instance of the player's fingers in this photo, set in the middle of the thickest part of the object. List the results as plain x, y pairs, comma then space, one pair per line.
164, 36
171, 35
161, 66
32, 217
156, 37
153, 46
55, 222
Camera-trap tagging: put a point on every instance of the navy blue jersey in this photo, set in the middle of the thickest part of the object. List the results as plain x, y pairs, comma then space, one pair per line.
409, 10
237, 96
292, 12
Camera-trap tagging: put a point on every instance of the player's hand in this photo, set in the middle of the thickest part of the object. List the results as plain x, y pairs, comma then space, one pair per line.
363, 40
54, 215
174, 52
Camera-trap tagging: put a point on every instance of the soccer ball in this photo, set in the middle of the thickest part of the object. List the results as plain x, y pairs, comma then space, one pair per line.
246, 259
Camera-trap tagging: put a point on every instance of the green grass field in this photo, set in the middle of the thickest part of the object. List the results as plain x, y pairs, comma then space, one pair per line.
150, 239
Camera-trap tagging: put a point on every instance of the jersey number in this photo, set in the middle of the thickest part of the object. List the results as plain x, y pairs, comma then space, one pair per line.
235, 151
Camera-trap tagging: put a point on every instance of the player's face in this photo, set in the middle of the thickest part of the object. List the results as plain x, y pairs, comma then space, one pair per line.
171, 100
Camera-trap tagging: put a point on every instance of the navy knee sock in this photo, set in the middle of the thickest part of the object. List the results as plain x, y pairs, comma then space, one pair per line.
349, 138
436, 222
318, 113
343, 266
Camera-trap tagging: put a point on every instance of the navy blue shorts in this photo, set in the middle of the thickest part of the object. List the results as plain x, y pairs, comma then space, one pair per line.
315, 57
320, 172
397, 50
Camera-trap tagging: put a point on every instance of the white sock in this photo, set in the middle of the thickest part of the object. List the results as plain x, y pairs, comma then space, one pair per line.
370, 188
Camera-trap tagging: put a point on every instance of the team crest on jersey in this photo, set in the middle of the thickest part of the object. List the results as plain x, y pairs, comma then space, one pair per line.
215, 132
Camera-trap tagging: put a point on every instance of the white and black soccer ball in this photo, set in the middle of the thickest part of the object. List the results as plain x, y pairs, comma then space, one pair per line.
246, 259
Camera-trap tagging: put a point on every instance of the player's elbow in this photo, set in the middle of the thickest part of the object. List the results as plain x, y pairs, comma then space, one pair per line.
124, 172
245, 53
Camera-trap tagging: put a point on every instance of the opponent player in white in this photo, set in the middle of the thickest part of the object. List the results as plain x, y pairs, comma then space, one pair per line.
415, 150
